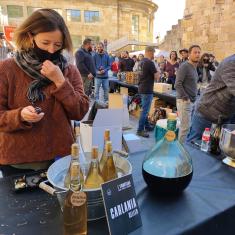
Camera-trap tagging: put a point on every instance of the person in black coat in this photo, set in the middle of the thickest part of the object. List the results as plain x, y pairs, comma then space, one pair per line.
85, 64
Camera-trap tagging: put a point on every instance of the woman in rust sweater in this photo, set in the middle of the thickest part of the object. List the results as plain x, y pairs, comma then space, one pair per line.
39, 94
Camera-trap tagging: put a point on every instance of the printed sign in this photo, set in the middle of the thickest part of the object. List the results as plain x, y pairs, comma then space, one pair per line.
122, 210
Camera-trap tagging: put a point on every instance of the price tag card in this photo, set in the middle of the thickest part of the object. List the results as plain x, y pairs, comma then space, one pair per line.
121, 207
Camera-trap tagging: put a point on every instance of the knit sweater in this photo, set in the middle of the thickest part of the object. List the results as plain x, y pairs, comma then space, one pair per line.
24, 142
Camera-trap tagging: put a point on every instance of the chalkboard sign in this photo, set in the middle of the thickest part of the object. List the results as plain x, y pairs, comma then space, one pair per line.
122, 210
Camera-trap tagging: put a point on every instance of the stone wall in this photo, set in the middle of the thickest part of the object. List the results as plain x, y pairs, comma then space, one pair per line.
208, 23
115, 16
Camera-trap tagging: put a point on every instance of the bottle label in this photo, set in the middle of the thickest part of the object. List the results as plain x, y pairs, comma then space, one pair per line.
78, 199
206, 138
170, 136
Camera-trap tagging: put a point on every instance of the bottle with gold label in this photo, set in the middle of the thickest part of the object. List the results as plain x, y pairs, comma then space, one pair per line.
167, 168
109, 171
74, 158
104, 154
75, 205
94, 178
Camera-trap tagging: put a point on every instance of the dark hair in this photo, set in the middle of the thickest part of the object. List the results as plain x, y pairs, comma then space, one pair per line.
184, 49
42, 20
193, 46
101, 43
86, 41
127, 52
149, 49
176, 55
203, 56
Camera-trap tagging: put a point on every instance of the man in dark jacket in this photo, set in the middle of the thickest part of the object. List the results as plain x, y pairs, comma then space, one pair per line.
218, 100
148, 75
102, 65
85, 64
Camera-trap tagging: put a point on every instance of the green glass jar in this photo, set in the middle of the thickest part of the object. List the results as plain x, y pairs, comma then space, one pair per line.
167, 168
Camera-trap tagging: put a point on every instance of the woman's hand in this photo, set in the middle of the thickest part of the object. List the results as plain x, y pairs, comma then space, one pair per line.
52, 72
29, 114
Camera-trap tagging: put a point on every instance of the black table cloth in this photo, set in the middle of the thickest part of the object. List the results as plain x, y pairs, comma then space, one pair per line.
169, 98
207, 206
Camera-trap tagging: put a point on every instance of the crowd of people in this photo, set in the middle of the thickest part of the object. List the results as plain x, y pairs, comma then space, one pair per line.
40, 91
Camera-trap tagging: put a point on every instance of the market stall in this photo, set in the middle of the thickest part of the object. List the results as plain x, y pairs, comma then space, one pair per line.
207, 206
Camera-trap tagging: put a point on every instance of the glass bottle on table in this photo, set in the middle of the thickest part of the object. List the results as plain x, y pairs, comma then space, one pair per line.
167, 167
75, 205
74, 158
82, 156
109, 171
104, 154
215, 137
205, 140
94, 177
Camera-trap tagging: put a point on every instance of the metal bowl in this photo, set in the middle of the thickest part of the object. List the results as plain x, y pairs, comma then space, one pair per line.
56, 174
227, 144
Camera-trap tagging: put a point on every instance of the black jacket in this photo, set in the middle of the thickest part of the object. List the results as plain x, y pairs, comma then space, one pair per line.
126, 65
210, 67
85, 62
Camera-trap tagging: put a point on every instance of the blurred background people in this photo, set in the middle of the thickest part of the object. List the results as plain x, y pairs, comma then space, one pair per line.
171, 68
85, 65
102, 65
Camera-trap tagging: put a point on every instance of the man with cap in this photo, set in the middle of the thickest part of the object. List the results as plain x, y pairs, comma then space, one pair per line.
148, 74
184, 55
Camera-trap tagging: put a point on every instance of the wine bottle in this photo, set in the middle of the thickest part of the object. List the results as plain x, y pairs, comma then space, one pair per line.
215, 137
109, 171
94, 178
75, 205
82, 156
104, 154
74, 158
167, 168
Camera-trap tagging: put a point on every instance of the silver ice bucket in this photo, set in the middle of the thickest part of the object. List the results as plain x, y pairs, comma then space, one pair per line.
56, 174
227, 144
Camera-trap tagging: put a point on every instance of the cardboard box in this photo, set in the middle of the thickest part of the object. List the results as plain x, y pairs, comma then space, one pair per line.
153, 106
92, 133
118, 101
123, 91
162, 87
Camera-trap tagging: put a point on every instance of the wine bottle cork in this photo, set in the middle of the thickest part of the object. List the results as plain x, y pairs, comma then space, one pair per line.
94, 152
107, 135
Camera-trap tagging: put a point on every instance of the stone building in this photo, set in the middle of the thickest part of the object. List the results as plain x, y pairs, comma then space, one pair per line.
209, 23
97, 19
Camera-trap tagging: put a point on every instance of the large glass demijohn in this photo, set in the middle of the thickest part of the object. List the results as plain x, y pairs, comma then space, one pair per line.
167, 168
